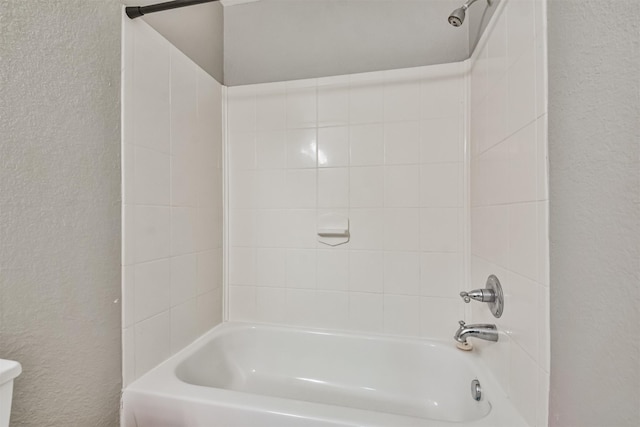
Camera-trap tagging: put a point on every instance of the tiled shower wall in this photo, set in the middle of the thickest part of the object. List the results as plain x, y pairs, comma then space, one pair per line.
509, 199
385, 149
172, 200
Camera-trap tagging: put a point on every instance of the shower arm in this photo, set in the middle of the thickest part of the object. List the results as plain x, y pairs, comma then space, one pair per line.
138, 11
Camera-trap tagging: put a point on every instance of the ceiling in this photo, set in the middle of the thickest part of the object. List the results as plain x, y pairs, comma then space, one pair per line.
277, 40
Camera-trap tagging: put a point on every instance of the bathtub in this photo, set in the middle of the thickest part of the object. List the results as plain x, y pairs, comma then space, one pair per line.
257, 375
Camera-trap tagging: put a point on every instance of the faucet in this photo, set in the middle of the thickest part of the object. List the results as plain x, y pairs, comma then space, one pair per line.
486, 332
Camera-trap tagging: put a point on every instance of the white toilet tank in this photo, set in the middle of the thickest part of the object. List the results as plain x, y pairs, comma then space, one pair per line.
8, 371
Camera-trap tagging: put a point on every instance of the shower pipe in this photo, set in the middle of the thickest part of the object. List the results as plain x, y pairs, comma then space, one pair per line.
138, 11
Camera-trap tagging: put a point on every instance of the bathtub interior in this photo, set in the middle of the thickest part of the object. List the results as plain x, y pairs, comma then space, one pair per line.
410, 378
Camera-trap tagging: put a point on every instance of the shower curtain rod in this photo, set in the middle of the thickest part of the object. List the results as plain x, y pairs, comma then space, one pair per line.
138, 11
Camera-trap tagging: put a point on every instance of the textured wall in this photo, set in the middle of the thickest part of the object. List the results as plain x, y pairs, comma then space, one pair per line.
60, 209
594, 105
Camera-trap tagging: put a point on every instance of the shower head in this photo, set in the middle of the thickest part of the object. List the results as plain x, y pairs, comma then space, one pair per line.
457, 16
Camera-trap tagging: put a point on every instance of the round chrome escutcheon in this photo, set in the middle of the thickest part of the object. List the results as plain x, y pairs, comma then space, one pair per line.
497, 305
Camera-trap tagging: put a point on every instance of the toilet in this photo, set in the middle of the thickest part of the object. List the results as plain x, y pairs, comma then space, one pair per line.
9, 370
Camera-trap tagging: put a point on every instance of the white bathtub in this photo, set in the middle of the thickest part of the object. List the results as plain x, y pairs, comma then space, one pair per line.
255, 375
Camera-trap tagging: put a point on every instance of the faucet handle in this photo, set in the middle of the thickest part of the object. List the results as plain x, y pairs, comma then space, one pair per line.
461, 323
465, 296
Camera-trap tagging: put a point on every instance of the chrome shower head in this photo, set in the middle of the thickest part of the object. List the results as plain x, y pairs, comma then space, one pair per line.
457, 16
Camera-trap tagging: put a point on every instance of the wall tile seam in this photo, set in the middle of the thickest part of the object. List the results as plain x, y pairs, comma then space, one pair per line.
509, 136
169, 257
509, 270
502, 77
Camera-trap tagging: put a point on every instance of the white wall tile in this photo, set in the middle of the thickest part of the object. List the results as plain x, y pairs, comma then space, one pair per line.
173, 157
271, 149
152, 342
270, 267
209, 271
242, 224
242, 111
520, 28
402, 99
402, 186
439, 229
184, 105
401, 315
333, 146
301, 189
301, 107
332, 309
271, 305
242, 266
366, 187
242, 150
402, 143
523, 240
184, 325
509, 229
152, 232
439, 317
442, 97
271, 189
242, 303
402, 273
185, 181
271, 110
333, 105
440, 274
333, 188
366, 312
522, 92
128, 296
301, 148
388, 118
300, 307
523, 308
152, 175
441, 140
300, 228
542, 171
184, 230
128, 356
523, 165
490, 233
366, 144
401, 229
497, 58
366, 102
209, 310
184, 278
333, 270
152, 288
366, 271
441, 185
523, 383
301, 268
366, 229
151, 91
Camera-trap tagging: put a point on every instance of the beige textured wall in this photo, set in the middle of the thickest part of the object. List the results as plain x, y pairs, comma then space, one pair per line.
594, 147
60, 209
